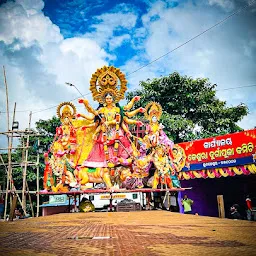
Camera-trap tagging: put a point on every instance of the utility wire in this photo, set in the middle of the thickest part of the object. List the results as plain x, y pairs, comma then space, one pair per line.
41, 110
205, 31
191, 39
44, 109
197, 92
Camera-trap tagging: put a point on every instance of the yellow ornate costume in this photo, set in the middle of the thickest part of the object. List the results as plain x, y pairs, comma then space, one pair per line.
97, 148
153, 114
108, 86
163, 168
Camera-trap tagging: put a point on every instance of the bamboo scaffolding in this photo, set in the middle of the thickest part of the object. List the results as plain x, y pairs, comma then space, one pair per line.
33, 133
14, 148
21, 164
25, 166
30, 201
8, 139
6, 170
10, 153
18, 191
10, 191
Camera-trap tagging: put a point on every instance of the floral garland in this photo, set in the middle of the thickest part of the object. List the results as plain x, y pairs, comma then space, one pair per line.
116, 145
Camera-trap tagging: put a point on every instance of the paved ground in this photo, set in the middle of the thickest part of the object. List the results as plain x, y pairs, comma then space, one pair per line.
132, 233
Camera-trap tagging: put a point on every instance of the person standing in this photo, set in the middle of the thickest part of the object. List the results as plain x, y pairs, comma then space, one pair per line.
249, 207
234, 213
187, 203
1, 206
173, 203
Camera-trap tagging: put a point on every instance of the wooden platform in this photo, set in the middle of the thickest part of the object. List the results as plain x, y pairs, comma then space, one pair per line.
140, 233
102, 191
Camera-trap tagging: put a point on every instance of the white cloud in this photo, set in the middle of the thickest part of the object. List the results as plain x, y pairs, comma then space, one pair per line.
39, 60
107, 24
134, 79
43, 61
117, 41
31, 6
226, 54
74, 60
26, 24
226, 4
249, 121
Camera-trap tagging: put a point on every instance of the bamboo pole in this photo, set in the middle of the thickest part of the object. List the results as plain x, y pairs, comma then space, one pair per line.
16, 191
18, 164
6, 170
13, 148
22, 132
30, 201
7, 100
12, 209
8, 139
10, 154
37, 180
25, 166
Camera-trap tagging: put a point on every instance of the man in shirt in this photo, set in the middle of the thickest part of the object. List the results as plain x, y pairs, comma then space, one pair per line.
249, 207
187, 203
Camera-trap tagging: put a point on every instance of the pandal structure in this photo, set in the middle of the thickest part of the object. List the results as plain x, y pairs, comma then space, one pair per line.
98, 147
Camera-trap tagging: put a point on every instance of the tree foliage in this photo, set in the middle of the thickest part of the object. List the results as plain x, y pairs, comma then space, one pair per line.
191, 109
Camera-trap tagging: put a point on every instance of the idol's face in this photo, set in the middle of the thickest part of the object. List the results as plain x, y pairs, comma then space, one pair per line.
160, 151
154, 119
109, 99
66, 120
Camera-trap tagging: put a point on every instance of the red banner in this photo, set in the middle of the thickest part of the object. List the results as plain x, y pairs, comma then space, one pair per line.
221, 151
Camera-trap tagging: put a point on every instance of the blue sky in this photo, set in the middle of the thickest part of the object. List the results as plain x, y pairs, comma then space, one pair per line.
44, 44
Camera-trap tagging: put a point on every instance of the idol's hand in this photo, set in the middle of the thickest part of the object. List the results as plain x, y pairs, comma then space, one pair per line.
106, 124
139, 123
84, 101
94, 137
142, 110
128, 134
136, 98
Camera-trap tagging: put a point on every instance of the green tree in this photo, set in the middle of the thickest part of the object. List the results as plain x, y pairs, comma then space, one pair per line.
47, 129
191, 109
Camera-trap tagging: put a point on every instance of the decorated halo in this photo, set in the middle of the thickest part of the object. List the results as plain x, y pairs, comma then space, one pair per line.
64, 107
153, 108
108, 80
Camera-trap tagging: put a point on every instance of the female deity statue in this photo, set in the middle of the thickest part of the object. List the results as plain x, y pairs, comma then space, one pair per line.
66, 133
58, 170
154, 130
111, 137
72, 140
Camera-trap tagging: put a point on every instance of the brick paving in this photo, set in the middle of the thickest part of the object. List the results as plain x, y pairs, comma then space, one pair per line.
131, 233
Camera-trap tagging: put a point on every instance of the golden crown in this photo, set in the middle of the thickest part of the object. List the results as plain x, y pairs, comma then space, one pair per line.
153, 108
66, 109
108, 80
